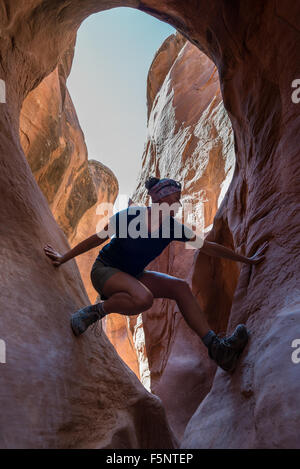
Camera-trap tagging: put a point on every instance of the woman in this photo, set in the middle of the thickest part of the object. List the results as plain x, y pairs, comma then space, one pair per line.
125, 287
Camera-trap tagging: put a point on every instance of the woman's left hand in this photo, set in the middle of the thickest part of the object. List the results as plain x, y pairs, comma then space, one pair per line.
259, 255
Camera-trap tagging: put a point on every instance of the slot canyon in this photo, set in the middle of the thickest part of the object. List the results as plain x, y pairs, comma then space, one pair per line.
222, 120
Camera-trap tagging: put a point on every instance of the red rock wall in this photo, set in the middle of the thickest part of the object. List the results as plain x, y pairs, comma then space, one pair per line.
54, 145
121, 330
255, 46
56, 391
106, 187
189, 139
74, 186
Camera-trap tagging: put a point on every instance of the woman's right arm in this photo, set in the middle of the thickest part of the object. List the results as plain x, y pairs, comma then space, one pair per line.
89, 243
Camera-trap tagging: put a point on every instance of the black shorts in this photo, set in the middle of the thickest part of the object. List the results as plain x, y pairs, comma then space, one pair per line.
101, 272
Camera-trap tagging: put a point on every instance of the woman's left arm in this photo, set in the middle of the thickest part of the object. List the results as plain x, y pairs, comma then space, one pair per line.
217, 250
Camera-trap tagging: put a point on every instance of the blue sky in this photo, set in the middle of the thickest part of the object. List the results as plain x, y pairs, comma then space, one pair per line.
114, 51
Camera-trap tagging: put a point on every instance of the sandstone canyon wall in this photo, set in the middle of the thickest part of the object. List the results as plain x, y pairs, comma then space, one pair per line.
56, 391
73, 185
255, 46
52, 382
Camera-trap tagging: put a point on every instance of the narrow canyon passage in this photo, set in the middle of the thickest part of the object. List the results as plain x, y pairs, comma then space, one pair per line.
199, 152
63, 390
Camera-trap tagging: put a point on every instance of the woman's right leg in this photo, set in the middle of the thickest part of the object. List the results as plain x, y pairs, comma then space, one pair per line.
126, 295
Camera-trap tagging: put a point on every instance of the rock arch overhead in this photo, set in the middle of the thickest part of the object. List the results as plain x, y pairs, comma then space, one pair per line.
255, 46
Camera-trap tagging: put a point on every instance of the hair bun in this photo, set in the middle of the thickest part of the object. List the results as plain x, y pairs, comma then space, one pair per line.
151, 181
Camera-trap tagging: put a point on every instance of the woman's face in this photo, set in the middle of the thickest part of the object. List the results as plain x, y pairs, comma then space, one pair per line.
172, 199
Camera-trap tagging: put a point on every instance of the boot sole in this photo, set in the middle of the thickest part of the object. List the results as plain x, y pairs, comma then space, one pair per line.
239, 353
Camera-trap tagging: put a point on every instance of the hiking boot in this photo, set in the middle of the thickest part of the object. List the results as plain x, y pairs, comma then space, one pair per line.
226, 351
83, 318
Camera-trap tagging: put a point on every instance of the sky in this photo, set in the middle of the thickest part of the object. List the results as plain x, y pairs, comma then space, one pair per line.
107, 84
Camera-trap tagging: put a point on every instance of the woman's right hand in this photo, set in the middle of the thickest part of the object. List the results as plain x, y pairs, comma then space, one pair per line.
55, 257
259, 255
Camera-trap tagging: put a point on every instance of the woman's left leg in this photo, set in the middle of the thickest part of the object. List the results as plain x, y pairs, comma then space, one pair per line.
225, 352
166, 286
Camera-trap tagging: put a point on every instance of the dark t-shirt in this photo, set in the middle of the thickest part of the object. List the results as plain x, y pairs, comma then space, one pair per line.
132, 247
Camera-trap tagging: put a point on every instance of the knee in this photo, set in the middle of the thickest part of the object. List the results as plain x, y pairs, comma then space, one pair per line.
144, 301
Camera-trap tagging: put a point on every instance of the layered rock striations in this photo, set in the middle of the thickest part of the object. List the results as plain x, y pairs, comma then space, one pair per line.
74, 186
189, 139
255, 46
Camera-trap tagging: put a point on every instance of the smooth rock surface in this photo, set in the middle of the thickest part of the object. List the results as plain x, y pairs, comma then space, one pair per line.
74, 186
54, 145
255, 46
57, 391
189, 139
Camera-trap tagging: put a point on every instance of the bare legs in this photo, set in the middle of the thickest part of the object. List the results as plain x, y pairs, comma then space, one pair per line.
124, 303
166, 286
128, 295
139, 297
191, 311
